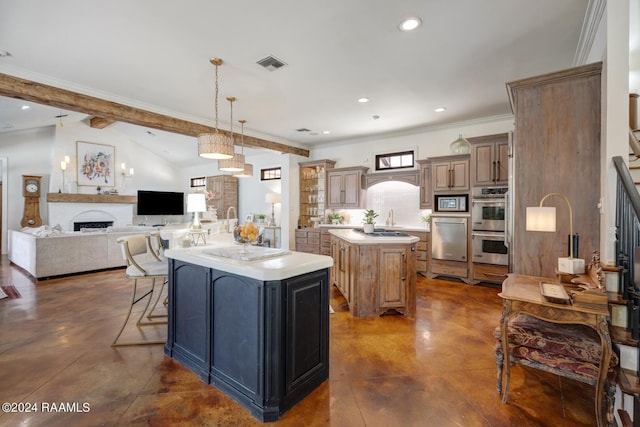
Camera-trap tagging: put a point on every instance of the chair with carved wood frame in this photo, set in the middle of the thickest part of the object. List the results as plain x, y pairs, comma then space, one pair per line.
142, 262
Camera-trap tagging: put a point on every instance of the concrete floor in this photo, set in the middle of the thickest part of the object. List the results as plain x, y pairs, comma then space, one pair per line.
435, 369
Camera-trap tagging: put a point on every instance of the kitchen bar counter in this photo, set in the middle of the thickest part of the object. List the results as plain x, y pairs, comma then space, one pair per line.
352, 236
408, 229
289, 264
257, 330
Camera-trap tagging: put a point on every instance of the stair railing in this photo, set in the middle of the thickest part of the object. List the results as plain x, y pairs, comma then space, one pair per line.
628, 244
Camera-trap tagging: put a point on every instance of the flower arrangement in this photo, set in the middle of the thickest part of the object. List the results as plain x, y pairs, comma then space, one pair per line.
426, 218
207, 194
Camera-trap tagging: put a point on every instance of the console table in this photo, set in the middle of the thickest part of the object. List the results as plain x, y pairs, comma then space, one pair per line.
521, 294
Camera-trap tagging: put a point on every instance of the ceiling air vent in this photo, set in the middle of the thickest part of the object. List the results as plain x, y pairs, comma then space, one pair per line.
303, 130
271, 63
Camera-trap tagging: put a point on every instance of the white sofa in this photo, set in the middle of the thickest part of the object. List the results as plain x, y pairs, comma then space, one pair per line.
55, 254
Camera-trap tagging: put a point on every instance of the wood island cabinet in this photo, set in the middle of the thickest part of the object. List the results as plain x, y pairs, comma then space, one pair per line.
426, 190
375, 278
450, 173
346, 187
490, 160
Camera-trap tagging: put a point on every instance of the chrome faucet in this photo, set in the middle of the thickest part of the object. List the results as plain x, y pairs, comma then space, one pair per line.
228, 226
390, 220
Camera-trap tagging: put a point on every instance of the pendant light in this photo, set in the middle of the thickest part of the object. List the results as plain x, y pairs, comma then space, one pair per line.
215, 145
247, 172
236, 163
460, 146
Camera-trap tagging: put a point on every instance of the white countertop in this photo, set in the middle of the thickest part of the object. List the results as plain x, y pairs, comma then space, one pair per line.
425, 228
352, 236
275, 268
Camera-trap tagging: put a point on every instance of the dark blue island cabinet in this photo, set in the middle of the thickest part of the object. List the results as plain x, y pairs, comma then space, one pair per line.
263, 343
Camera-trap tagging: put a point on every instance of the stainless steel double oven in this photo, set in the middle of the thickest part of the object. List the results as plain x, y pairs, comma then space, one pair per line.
488, 222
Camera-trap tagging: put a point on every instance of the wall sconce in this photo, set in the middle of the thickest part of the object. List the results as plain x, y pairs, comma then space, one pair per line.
63, 167
272, 198
123, 172
544, 219
196, 203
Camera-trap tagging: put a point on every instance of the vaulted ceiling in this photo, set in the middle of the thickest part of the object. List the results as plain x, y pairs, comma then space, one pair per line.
154, 55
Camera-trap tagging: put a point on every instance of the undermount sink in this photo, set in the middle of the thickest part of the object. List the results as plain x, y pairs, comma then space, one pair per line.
387, 234
383, 233
252, 252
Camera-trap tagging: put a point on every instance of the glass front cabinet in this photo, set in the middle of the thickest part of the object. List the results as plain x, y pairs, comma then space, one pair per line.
313, 190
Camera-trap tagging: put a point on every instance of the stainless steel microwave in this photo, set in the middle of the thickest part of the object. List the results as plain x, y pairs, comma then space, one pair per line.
449, 203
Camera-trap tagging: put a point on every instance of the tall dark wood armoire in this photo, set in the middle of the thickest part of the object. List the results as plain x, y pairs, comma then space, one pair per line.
556, 148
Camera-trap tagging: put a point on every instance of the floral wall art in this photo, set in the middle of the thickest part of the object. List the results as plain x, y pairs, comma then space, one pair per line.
95, 164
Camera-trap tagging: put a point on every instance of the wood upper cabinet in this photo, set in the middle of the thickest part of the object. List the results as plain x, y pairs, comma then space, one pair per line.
426, 190
224, 189
556, 148
490, 160
313, 190
345, 187
450, 173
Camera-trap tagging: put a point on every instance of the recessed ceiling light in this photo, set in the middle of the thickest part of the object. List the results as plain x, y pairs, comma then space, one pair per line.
410, 23
440, 109
326, 132
25, 107
363, 100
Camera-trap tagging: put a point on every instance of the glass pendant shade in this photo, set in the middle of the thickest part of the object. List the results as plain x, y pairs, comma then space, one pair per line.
234, 164
215, 146
460, 146
247, 172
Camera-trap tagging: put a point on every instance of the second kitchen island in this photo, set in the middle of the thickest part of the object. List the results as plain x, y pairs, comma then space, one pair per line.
376, 272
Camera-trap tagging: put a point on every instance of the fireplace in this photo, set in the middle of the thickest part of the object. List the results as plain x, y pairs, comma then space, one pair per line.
68, 214
94, 225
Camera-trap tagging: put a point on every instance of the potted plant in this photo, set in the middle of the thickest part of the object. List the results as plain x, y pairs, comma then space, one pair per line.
369, 223
336, 218
426, 218
261, 218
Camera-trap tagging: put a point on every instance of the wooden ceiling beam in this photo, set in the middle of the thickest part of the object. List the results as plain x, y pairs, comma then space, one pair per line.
15, 87
100, 122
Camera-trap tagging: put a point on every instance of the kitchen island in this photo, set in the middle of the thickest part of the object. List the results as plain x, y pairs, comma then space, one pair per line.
375, 272
256, 325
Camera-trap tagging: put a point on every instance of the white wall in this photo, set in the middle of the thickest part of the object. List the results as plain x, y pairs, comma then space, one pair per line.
429, 143
28, 152
151, 172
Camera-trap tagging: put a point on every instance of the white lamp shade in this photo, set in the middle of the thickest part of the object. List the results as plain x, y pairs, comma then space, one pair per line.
246, 172
272, 198
541, 219
196, 203
234, 164
215, 146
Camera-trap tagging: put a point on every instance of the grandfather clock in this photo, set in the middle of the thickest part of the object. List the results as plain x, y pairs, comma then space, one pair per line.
31, 192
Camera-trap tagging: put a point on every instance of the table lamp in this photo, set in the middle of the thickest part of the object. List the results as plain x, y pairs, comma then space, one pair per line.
544, 219
272, 198
196, 203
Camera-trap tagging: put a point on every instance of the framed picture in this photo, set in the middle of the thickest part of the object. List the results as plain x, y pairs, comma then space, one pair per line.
95, 164
248, 217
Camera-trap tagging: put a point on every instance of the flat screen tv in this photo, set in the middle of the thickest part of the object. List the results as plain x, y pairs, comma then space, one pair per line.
160, 203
